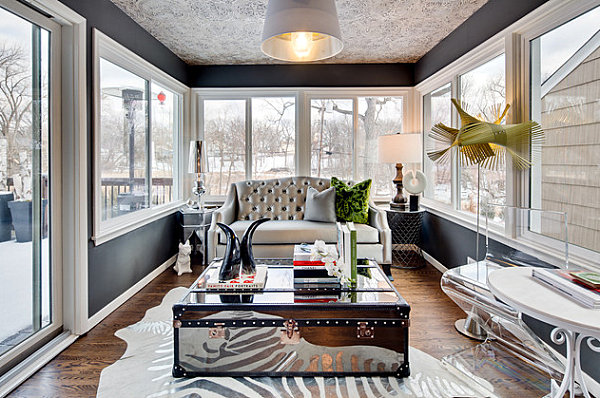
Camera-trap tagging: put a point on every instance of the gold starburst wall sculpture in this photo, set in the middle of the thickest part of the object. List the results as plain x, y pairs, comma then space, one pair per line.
484, 143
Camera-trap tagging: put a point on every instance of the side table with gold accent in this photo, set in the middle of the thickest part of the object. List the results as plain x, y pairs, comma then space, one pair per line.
406, 238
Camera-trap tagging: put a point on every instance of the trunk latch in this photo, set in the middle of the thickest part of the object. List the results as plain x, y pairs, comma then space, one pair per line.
217, 332
365, 332
291, 333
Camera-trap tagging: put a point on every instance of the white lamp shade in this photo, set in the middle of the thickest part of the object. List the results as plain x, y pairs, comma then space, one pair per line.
197, 159
400, 148
301, 30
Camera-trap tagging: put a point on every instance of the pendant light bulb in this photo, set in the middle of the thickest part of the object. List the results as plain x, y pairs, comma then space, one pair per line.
302, 43
301, 30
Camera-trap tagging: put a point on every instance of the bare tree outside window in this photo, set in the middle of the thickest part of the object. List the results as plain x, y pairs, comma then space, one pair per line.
437, 109
225, 134
273, 137
377, 116
483, 94
332, 138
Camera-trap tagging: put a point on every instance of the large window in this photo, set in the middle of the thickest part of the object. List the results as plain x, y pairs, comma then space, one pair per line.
437, 108
344, 136
483, 95
138, 138
248, 138
332, 138
565, 93
262, 135
29, 167
547, 67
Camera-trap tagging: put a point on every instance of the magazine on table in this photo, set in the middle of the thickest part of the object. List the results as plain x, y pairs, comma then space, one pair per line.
566, 283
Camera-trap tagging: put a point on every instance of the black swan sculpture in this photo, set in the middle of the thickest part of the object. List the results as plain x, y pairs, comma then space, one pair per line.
238, 258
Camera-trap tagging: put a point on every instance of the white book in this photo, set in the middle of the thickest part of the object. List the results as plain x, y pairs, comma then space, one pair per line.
340, 241
347, 265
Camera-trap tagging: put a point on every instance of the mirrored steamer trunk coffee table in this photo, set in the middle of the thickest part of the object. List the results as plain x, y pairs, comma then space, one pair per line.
282, 331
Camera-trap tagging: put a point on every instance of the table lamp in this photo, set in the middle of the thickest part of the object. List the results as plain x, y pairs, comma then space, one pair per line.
197, 165
396, 148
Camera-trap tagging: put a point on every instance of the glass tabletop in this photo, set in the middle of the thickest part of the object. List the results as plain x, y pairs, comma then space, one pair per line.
373, 287
280, 277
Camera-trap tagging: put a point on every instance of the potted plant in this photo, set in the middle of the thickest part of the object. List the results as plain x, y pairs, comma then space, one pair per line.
5, 218
22, 218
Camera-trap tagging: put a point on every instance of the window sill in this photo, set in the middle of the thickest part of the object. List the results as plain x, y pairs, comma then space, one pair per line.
119, 226
577, 256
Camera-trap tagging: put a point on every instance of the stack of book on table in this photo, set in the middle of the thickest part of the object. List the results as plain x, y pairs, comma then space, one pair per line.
312, 274
581, 286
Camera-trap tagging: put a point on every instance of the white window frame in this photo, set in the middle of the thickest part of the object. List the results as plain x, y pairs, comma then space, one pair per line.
303, 97
109, 50
201, 95
451, 74
514, 40
56, 207
551, 19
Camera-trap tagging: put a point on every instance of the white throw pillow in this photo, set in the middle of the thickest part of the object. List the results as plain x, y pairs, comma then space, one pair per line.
320, 206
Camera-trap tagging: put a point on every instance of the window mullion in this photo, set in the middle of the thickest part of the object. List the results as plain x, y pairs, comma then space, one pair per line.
355, 176
248, 138
454, 155
149, 143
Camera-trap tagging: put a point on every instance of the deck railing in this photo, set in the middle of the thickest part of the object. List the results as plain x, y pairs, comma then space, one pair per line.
115, 199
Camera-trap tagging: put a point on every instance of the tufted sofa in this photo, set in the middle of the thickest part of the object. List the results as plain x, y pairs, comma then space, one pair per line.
283, 200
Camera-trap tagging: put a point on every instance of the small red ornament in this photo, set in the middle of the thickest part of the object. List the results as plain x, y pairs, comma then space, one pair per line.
161, 97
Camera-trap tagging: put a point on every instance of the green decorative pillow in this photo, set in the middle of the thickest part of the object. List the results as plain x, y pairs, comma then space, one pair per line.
352, 203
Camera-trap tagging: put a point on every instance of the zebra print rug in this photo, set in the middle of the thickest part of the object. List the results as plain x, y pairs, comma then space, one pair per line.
144, 370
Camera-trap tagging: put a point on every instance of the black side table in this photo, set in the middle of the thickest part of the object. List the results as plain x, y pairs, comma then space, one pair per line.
194, 226
406, 238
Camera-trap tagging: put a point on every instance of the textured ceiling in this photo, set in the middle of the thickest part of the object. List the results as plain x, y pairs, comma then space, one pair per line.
224, 32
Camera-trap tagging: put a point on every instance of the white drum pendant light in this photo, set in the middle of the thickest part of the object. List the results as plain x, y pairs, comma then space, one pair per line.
301, 30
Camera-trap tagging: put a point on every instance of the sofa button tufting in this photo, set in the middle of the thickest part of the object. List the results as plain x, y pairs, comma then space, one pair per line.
290, 217
299, 191
256, 191
298, 209
254, 208
270, 191
283, 208
320, 182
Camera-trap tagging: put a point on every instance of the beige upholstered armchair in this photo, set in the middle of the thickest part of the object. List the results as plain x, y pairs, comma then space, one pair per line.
283, 200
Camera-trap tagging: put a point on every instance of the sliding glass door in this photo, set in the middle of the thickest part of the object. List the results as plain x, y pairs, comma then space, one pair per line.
29, 289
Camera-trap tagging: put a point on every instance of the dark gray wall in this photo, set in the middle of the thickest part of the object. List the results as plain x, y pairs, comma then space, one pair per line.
302, 75
490, 19
450, 244
117, 265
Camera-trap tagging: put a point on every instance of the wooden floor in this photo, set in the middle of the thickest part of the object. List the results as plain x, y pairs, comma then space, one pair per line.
76, 371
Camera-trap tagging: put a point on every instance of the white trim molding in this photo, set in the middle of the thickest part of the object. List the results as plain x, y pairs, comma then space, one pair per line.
303, 96
27, 368
117, 302
108, 49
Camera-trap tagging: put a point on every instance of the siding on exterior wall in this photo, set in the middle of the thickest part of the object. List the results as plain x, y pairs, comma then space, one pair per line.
571, 152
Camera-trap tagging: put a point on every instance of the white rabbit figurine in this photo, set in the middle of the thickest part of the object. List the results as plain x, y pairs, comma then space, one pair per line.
183, 264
